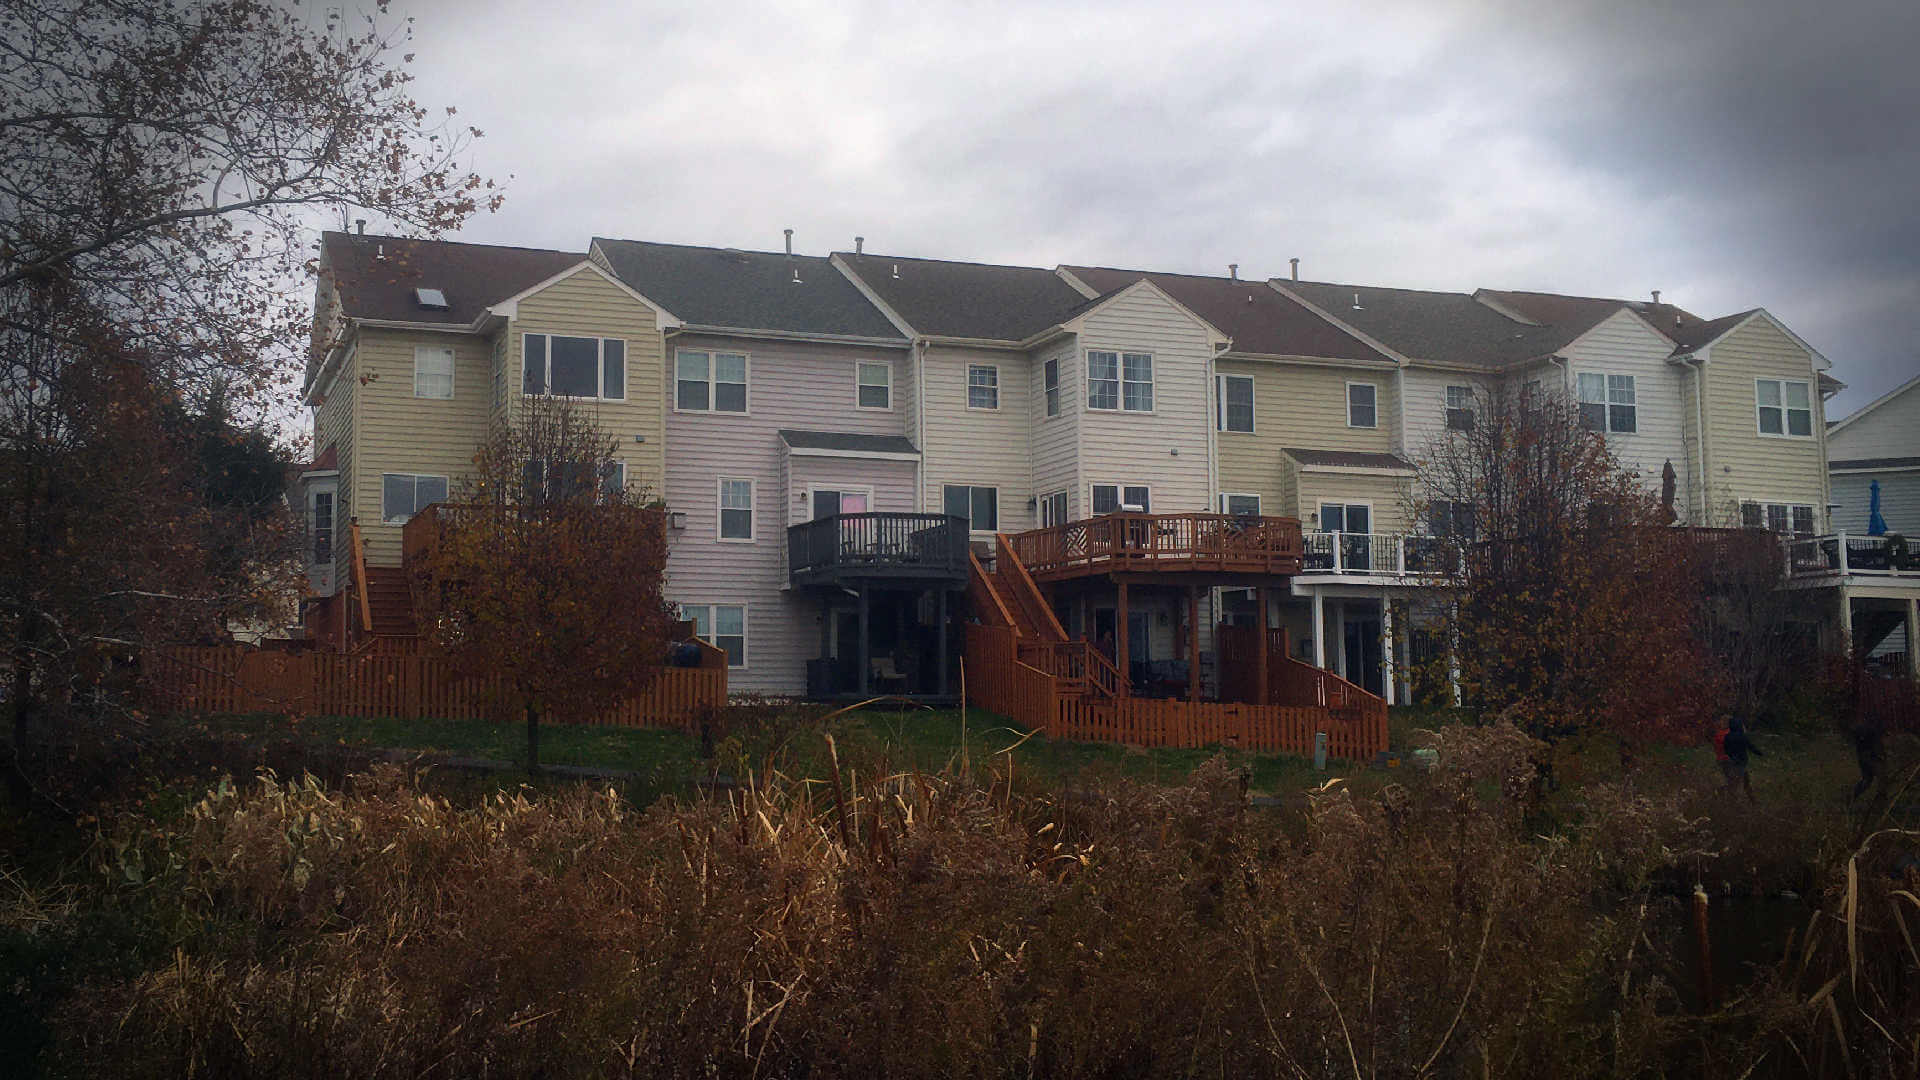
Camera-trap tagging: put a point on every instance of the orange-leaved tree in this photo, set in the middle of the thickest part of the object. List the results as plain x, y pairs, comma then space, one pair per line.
1575, 607
545, 570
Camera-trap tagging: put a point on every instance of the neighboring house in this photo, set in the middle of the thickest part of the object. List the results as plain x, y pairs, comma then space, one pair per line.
791, 399
1878, 447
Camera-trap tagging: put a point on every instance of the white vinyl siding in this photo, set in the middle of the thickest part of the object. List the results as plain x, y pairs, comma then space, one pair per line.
1624, 345
1169, 447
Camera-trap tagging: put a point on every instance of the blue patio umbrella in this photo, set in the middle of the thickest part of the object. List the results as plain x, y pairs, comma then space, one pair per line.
1876, 525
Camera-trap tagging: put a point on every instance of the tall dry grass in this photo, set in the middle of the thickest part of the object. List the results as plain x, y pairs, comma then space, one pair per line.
867, 923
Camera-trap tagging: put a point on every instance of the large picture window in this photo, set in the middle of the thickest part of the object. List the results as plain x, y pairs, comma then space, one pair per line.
1785, 407
1239, 505
577, 367
979, 505
1793, 518
709, 381
403, 495
1236, 403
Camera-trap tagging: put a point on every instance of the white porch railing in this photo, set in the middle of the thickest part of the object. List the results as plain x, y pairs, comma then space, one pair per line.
1841, 554
1379, 554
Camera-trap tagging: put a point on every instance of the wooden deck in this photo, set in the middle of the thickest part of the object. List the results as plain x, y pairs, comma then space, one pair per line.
1162, 544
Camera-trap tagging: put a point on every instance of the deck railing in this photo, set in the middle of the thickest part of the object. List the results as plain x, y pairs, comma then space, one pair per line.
1132, 541
1379, 554
878, 544
1841, 554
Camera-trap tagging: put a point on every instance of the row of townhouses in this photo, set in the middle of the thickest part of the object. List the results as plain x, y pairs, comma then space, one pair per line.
780, 403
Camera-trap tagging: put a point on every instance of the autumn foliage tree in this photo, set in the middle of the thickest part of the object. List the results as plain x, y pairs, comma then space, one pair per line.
162, 163
1574, 607
546, 570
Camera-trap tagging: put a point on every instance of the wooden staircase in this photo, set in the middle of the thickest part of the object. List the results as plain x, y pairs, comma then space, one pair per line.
390, 601
1007, 597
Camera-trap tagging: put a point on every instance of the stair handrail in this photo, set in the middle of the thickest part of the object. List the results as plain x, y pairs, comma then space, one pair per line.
359, 552
986, 586
1003, 552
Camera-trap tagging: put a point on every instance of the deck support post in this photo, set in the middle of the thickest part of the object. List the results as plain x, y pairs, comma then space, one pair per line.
1846, 617
1121, 638
1319, 631
866, 663
940, 680
1453, 652
826, 640
1388, 676
1261, 659
1193, 643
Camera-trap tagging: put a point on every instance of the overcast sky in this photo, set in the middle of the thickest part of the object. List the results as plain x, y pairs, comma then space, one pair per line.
1744, 154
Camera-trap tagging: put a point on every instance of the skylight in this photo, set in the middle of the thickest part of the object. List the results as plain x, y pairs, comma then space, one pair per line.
431, 298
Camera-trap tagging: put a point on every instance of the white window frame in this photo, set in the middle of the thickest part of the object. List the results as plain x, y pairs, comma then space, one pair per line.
1610, 409
971, 488
712, 382
1047, 502
416, 478
1787, 508
1115, 381
746, 625
1448, 408
841, 489
993, 372
1050, 387
599, 366
1375, 388
1345, 505
859, 385
1227, 497
720, 508
421, 353
1119, 495
1786, 411
1220, 404
1126, 382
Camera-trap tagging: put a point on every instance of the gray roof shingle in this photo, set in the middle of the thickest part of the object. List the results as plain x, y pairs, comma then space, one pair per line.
376, 275
1260, 320
747, 290
842, 440
1445, 327
1351, 459
968, 300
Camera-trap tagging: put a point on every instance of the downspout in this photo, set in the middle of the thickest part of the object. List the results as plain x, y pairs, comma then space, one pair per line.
1700, 428
920, 424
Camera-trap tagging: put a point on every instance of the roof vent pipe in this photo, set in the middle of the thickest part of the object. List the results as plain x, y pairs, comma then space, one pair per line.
1356, 302
896, 271
789, 233
361, 224
380, 251
1296, 268
796, 275
859, 245
1233, 271
1656, 296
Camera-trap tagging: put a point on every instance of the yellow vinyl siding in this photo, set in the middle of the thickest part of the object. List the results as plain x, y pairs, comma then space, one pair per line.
1743, 464
400, 433
1388, 495
1303, 406
588, 305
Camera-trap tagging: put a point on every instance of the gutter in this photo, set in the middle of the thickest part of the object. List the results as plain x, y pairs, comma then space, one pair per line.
787, 335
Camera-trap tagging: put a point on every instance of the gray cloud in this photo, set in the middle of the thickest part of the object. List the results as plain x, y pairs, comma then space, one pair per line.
1732, 155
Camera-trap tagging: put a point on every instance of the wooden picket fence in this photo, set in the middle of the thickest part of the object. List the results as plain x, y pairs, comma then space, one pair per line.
395, 686
998, 681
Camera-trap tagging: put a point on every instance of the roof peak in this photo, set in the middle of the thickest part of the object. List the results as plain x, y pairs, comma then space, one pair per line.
386, 238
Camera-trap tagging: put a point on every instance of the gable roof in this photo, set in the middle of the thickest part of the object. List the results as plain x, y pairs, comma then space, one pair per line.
1260, 320
1872, 405
376, 275
1445, 327
724, 288
1576, 315
967, 300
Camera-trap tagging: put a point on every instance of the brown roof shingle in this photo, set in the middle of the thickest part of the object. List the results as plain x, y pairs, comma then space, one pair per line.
376, 275
1260, 320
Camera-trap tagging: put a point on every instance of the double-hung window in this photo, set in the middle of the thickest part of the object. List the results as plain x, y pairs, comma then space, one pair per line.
723, 626
1785, 407
1607, 403
1460, 408
1109, 498
983, 386
1363, 405
1050, 380
979, 505
874, 389
432, 371
1235, 394
709, 381
1448, 518
577, 367
403, 495
736, 509
1122, 381
1240, 505
1103, 380
1136, 382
